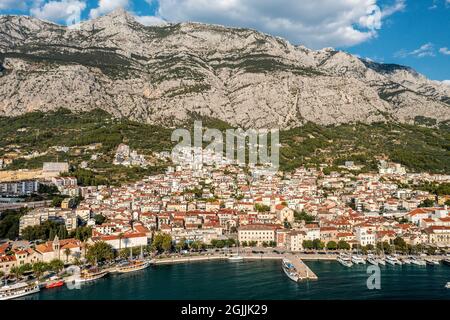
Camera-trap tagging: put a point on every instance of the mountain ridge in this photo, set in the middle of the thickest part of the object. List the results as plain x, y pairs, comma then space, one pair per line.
160, 74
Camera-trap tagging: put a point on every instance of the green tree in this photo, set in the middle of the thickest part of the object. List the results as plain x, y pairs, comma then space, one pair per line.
39, 268
426, 203
343, 245
331, 245
16, 271
99, 219
100, 251
303, 216
400, 244
318, 245
308, 244
262, 208
56, 265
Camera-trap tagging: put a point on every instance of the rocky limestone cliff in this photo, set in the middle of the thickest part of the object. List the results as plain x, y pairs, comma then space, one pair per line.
162, 74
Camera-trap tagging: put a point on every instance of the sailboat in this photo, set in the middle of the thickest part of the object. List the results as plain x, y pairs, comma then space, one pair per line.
236, 257
133, 265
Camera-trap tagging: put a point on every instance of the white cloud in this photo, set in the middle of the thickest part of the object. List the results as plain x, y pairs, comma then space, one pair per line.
13, 4
426, 50
445, 50
106, 6
150, 20
316, 23
67, 11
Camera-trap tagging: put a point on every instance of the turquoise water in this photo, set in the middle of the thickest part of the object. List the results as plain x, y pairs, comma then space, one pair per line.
261, 280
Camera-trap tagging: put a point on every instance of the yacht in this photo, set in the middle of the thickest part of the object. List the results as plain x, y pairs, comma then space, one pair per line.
235, 257
393, 260
290, 270
372, 260
91, 275
447, 285
358, 259
431, 262
53, 282
381, 261
345, 260
418, 261
18, 290
407, 260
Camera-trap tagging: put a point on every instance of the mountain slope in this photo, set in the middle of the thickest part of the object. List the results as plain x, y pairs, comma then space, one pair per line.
163, 74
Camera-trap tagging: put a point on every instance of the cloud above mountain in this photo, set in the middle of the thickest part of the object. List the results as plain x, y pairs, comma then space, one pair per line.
316, 23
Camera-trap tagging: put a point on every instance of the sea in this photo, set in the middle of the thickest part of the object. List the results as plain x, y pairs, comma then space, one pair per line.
265, 280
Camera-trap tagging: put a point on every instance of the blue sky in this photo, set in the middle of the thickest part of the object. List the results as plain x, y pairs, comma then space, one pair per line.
408, 32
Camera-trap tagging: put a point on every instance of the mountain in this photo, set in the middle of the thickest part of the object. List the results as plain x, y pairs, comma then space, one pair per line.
164, 74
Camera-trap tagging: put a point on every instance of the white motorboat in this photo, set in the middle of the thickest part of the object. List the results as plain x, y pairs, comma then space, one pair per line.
372, 259
432, 262
381, 261
18, 290
290, 270
447, 285
358, 260
418, 261
345, 260
235, 258
393, 260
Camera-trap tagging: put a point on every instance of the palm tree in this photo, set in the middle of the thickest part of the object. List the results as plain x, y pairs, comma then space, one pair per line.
67, 253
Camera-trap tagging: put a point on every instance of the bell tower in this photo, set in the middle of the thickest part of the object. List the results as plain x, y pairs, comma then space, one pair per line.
56, 247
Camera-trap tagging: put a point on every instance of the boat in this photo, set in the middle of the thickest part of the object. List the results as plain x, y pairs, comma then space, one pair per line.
418, 261
54, 284
407, 261
447, 285
358, 260
18, 290
446, 261
393, 260
345, 260
372, 260
236, 257
131, 266
431, 262
91, 275
290, 270
381, 261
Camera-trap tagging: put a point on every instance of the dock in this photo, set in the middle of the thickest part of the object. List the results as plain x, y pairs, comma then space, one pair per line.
304, 272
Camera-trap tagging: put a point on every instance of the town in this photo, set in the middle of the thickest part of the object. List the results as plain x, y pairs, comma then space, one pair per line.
194, 208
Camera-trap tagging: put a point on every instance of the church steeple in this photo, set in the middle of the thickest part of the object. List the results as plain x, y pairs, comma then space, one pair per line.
56, 246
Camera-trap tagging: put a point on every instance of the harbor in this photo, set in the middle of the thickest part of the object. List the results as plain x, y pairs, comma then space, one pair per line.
258, 279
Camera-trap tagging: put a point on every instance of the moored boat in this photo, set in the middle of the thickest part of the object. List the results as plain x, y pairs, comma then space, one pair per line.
447, 285
431, 262
372, 260
393, 260
446, 261
91, 275
418, 261
290, 270
132, 266
235, 257
54, 284
358, 260
18, 290
381, 261
345, 260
